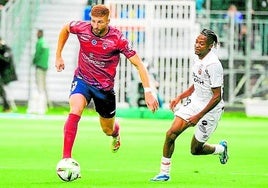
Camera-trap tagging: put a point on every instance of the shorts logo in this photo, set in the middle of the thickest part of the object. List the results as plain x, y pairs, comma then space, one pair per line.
204, 122
202, 127
74, 84
112, 112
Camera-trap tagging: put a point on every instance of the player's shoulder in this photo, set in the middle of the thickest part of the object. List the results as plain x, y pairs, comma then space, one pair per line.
114, 31
79, 24
212, 58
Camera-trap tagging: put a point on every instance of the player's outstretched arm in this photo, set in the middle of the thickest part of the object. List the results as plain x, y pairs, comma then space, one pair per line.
150, 98
63, 36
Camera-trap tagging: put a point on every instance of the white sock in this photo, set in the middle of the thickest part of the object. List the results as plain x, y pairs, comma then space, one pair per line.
218, 149
165, 165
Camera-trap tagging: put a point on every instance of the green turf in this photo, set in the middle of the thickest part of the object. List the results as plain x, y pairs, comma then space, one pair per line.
31, 146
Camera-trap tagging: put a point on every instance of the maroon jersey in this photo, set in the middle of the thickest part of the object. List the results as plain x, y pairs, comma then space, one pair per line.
99, 56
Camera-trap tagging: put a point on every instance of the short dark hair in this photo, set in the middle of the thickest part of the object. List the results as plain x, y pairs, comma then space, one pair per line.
211, 37
41, 31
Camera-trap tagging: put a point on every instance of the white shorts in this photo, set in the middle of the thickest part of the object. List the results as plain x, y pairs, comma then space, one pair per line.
206, 125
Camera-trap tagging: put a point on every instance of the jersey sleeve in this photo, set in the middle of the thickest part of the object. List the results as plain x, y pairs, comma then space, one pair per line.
76, 26
125, 47
215, 72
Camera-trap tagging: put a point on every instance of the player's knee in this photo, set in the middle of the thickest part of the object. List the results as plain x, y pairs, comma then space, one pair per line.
76, 110
171, 136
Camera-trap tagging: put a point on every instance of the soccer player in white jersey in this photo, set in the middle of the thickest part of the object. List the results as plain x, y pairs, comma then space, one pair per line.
202, 108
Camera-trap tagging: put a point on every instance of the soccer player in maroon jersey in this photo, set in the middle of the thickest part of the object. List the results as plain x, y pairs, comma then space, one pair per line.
99, 54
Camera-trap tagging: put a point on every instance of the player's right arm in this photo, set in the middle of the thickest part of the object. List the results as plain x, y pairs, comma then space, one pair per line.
63, 36
150, 99
181, 96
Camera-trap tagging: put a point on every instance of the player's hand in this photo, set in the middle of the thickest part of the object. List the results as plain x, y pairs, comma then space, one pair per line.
151, 101
193, 120
59, 64
173, 103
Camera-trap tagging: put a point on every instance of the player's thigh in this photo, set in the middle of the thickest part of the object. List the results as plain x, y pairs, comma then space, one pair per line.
105, 103
80, 95
207, 125
77, 103
178, 125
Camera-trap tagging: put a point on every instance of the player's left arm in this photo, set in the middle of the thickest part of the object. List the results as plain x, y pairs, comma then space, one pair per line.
216, 98
150, 98
215, 73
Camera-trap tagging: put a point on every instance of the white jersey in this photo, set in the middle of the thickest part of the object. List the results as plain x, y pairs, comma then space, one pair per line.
206, 74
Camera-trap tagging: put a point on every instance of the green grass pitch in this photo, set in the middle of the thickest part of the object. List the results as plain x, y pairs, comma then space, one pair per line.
30, 148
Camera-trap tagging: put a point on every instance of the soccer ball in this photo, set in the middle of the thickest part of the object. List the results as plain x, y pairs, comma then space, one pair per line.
68, 169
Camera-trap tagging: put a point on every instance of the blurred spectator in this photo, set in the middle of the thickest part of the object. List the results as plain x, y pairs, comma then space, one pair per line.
7, 75
240, 27
199, 5
3, 2
40, 61
262, 5
87, 11
232, 12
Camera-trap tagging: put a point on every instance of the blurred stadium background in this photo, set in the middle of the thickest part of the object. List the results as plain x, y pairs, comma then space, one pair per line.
163, 32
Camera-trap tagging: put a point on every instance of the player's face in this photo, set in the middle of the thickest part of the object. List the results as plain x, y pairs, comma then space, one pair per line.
100, 25
201, 46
